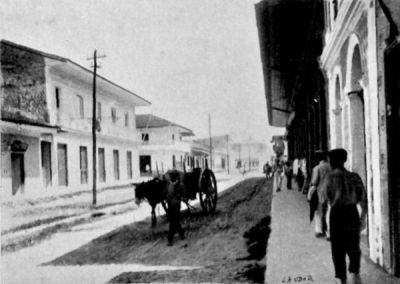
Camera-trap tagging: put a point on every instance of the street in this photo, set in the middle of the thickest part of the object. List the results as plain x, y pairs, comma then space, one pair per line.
90, 267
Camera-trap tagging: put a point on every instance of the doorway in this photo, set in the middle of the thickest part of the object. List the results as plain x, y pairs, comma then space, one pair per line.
392, 82
17, 173
145, 165
62, 164
46, 163
357, 129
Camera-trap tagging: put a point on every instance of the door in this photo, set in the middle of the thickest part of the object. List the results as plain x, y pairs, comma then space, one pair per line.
17, 172
102, 165
46, 163
62, 164
129, 164
116, 164
392, 76
83, 164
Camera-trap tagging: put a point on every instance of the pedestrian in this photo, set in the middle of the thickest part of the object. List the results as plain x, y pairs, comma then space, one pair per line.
289, 174
319, 173
174, 196
345, 191
278, 171
267, 170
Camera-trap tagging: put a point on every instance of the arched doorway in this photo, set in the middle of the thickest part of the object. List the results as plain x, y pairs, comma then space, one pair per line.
357, 117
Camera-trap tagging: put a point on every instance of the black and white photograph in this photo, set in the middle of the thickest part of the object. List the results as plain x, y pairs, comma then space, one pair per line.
200, 141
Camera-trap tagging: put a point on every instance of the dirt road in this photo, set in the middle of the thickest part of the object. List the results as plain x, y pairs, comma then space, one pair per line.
214, 243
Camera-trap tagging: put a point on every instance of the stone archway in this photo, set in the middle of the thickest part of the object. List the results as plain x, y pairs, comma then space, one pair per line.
357, 116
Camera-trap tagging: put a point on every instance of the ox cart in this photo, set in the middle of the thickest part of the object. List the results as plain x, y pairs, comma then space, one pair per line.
198, 182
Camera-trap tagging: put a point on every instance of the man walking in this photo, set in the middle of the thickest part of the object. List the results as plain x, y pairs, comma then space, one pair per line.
174, 197
344, 191
278, 170
319, 173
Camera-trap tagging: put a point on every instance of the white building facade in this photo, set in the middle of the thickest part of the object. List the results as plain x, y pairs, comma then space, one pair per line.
164, 145
360, 38
47, 108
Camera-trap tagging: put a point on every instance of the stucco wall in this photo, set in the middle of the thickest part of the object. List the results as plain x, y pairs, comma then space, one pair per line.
73, 145
69, 116
23, 94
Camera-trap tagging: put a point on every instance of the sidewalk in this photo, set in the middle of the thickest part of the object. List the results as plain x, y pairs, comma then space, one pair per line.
295, 255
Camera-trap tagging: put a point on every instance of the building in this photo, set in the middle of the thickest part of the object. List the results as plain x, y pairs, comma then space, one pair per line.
343, 92
46, 130
163, 146
248, 155
361, 60
200, 153
294, 82
217, 149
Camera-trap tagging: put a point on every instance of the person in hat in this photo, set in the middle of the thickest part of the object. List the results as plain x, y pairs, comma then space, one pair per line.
319, 206
344, 191
174, 192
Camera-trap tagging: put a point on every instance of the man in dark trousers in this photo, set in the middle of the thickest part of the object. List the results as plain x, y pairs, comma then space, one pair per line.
345, 191
174, 197
319, 173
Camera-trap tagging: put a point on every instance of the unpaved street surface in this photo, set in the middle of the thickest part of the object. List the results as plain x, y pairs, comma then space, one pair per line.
215, 245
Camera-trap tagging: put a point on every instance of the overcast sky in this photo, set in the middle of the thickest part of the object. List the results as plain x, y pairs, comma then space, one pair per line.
189, 58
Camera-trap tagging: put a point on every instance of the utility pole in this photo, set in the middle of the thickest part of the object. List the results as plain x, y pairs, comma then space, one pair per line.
227, 152
240, 159
94, 126
209, 130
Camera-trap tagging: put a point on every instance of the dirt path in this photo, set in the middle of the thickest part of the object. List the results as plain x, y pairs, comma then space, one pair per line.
214, 242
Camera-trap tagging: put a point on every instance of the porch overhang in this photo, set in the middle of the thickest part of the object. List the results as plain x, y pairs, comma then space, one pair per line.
286, 30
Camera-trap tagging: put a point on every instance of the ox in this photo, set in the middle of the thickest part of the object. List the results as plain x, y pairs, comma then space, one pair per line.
154, 191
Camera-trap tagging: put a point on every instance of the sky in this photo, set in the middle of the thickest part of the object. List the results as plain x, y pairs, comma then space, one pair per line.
189, 58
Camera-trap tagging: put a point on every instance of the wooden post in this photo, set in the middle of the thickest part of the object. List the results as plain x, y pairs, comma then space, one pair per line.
94, 126
94, 130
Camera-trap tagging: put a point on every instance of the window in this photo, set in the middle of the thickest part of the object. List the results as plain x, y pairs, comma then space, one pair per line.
57, 94
80, 106
126, 120
113, 115
102, 165
145, 138
116, 164
173, 137
83, 164
99, 111
129, 164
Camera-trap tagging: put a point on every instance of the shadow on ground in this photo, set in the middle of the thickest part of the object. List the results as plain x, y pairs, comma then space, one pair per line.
228, 245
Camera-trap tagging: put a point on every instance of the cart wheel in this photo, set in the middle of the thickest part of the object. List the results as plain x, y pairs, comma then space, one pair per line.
208, 192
